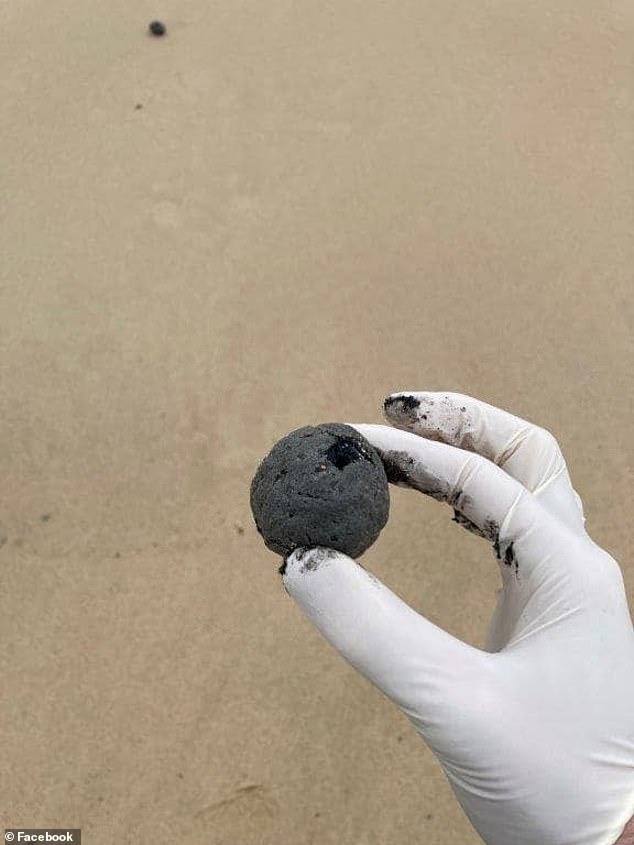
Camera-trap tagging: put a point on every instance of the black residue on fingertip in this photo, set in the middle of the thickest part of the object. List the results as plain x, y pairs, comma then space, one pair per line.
410, 403
394, 470
311, 564
491, 531
466, 523
312, 559
454, 498
509, 556
282, 569
407, 403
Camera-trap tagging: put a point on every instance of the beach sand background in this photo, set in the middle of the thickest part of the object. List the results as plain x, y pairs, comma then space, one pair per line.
271, 217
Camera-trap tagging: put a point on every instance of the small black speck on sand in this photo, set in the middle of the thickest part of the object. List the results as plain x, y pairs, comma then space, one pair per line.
157, 28
45, 517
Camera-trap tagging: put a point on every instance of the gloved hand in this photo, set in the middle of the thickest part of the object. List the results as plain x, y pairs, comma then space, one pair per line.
535, 734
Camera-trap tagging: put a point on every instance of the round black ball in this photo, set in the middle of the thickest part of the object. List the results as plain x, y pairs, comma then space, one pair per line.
321, 486
157, 28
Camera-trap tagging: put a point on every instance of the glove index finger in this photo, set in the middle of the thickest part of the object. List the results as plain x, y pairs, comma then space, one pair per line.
488, 500
523, 450
477, 489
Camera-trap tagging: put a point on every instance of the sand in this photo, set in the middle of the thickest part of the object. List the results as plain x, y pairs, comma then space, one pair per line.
274, 215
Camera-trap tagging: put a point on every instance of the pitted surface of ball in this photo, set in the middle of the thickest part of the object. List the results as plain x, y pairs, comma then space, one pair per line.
321, 486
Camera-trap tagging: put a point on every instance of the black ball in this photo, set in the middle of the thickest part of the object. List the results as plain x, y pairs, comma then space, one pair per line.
321, 486
157, 28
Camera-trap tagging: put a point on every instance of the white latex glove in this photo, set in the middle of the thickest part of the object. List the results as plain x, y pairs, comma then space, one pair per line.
535, 734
